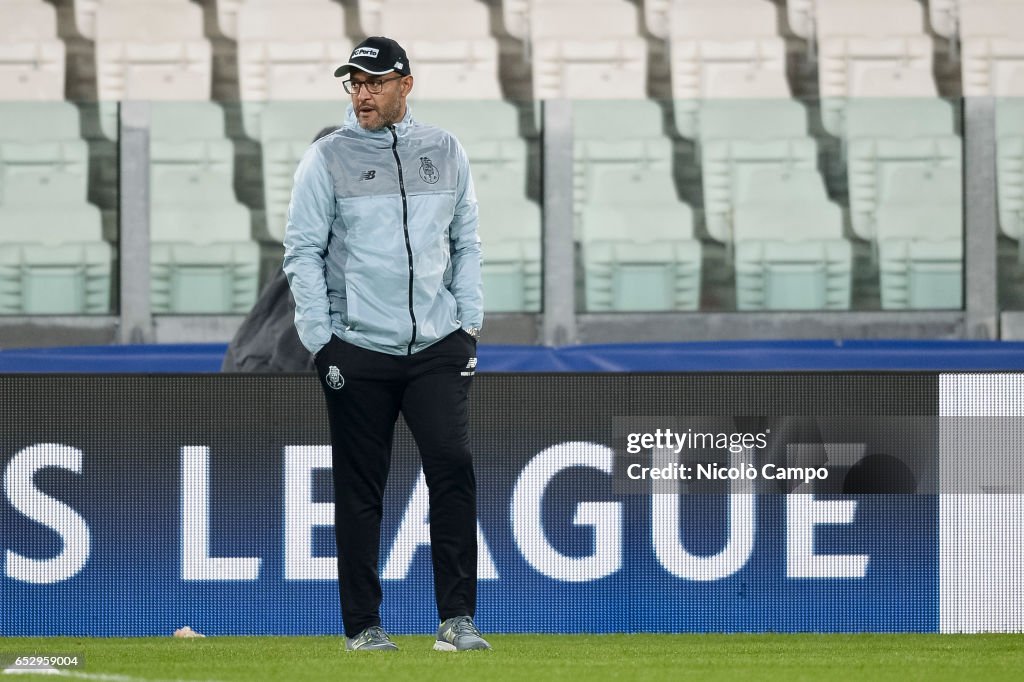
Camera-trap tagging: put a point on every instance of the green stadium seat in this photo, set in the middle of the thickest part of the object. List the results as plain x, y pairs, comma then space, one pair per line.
789, 250
286, 131
43, 159
638, 248
1010, 167
888, 133
920, 239
732, 147
203, 259
635, 143
510, 223
53, 261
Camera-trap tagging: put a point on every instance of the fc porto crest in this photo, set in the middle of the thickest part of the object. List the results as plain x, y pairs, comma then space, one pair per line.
334, 378
428, 171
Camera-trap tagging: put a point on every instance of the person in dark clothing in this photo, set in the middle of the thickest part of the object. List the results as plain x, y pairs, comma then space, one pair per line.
383, 258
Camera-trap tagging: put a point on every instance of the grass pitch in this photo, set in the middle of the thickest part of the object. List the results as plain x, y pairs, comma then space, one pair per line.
762, 657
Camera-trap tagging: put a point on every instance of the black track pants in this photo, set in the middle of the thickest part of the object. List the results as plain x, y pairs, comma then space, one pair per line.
365, 394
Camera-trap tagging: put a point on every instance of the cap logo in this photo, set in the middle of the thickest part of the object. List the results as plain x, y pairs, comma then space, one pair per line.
399, 65
370, 52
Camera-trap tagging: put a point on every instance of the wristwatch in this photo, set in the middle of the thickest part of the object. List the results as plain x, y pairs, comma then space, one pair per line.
473, 331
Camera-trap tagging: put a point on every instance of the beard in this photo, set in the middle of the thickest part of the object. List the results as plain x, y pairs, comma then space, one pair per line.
386, 116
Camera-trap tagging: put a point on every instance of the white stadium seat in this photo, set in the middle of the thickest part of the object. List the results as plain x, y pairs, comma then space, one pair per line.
370, 13
288, 52
31, 55
590, 51
516, 17
78, 17
944, 16
992, 48
724, 50
451, 60
871, 48
800, 14
152, 50
226, 12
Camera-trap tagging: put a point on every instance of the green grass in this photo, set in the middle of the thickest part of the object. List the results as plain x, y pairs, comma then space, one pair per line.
760, 657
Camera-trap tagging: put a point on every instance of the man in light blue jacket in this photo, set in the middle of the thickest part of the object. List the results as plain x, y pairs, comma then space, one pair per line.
383, 259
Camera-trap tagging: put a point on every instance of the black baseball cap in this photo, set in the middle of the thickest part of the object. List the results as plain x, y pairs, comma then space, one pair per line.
376, 55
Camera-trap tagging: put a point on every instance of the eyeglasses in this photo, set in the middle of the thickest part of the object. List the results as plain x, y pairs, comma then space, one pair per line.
373, 87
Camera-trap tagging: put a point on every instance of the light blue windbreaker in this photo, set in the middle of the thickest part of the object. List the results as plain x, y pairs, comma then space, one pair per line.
381, 246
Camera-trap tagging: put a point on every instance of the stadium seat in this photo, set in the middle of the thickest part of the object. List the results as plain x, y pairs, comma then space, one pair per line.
370, 13
789, 252
288, 52
510, 222
516, 17
153, 50
43, 160
724, 50
203, 260
285, 134
488, 131
656, 17
870, 48
731, 149
52, 256
452, 60
192, 161
77, 17
226, 13
638, 247
53, 260
1010, 168
626, 134
944, 16
920, 239
591, 53
510, 229
886, 133
992, 48
31, 55
190, 276
800, 15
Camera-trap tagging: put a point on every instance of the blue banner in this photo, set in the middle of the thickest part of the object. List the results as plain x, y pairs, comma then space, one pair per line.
137, 505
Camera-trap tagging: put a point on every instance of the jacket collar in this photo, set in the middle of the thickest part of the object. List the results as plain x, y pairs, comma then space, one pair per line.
401, 127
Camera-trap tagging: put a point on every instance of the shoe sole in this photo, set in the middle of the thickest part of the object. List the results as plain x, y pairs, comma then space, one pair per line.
373, 648
445, 646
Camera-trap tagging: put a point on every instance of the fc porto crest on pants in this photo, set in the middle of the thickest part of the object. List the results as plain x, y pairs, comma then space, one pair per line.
428, 171
334, 378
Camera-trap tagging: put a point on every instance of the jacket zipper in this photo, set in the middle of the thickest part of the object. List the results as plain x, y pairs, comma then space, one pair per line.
405, 229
